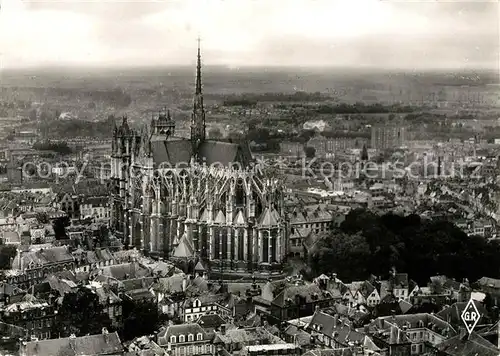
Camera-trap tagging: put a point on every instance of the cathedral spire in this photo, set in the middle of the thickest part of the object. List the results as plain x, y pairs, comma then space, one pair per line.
198, 115
198, 71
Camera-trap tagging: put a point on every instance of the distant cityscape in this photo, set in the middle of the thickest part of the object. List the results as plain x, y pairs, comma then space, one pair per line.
361, 220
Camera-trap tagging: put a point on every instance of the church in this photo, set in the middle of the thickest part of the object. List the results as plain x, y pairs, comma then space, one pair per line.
196, 200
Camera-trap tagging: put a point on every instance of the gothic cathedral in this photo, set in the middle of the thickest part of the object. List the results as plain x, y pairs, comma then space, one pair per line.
196, 199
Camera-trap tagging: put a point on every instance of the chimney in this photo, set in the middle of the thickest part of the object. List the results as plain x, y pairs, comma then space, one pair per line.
335, 320
223, 329
184, 284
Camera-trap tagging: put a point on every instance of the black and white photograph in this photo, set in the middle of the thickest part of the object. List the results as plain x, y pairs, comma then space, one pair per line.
250, 177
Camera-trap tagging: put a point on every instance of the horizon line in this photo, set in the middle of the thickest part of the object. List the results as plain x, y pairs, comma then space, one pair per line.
113, 67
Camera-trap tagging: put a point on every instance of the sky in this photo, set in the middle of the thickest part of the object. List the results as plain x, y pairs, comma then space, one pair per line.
316, 33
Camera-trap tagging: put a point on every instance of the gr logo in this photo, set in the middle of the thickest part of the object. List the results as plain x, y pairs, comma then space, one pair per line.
470, 316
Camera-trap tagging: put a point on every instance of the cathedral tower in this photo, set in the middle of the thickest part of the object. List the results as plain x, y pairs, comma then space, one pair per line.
198, 115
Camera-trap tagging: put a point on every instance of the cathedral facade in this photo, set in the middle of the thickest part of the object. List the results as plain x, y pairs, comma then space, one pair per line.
196, 199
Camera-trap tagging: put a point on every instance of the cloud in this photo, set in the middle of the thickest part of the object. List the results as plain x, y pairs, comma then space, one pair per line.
249, 32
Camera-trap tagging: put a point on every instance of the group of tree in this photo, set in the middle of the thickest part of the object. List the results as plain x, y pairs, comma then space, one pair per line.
251, 100
76, 128
7, 253
369, 244
59, 225
82, 312
115, 97
140, 312
362, 108
60, 147
336, 134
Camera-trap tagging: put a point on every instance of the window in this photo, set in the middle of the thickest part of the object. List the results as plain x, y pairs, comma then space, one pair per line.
199, 337
172, 339
181, 338
190, 337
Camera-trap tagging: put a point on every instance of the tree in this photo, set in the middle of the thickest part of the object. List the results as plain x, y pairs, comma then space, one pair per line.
42, 217
342, 253
141, 312
310, 151
421, 248
59, 226
81, 313
7, 254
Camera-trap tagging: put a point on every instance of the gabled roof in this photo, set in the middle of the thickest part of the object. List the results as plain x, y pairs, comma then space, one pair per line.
178, 330
199, 267
125, 271
269, 218
211, 321
91, 345
43, 256
204, 215
184, 249
239, 219
220, 218
180, 150
172, 284
307, 291
473, 345
453, 313
489, 282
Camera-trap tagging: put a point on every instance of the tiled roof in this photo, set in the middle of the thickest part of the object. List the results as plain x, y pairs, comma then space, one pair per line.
44, 256
453, 313
10, 236
211, 321
99, 255
489, 282
474, 345
182, 329
139, 294
301, 337
412, 321
125, 271
137, 283
350, 351
172, 284
245, 336
91, 345
8, 289
308, 291
12, 330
